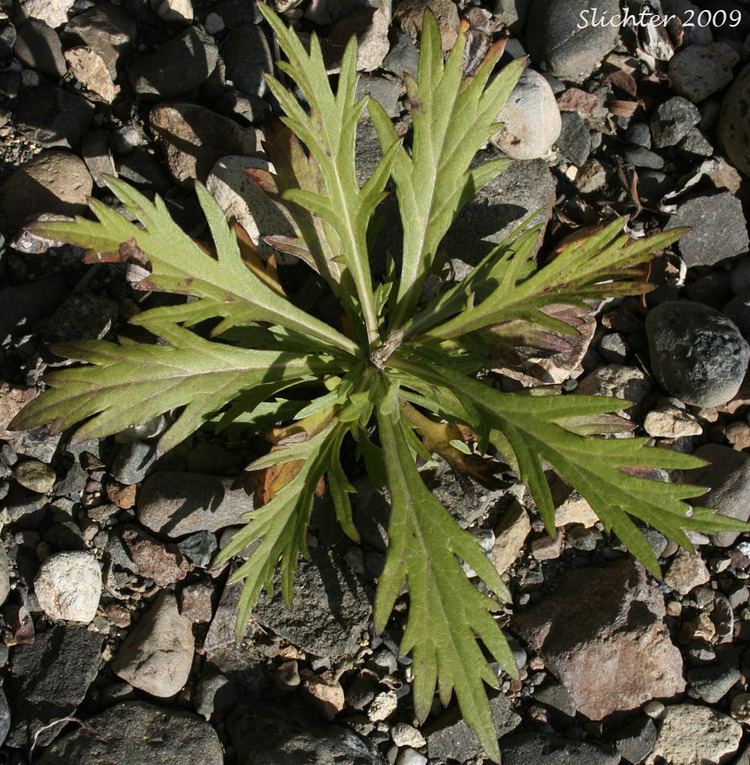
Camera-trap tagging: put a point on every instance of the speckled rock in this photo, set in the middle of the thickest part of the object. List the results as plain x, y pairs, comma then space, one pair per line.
699, 71
696, 353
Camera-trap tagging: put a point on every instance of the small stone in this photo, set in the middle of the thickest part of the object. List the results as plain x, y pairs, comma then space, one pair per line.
214, 694
575, 509
689, 728
90, 69
52, 182
196, 602
382, 706
673, 120
530, 119
575, 140
629, 383
38, 47
561, 45
326, 694
739, 708
711, 684
247, 57
727, 475
52, 12
654, 709
137, 732
133, 462
177, 504
243, 201
403, 57
409, 14
718, 229
699, 71
386, 91
157, 654
636, 740
667, 421
97, 156
640, 157
35, 476
532, 747
695, 144
546, 547
68, 586
164, 564
696, 353
174, 11
409, 756
194, 139
199, 548
287, 675
510, 537
592, 177
404, 734
178, 66
686, 572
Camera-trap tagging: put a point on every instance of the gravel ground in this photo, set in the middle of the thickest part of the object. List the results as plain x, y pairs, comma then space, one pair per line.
118, 640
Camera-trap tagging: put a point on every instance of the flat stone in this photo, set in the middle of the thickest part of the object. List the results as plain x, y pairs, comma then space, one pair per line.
530, 119
532, 748
177, 504
330, 607
449, 737
48, 680
618, 628
696, 353
636, 740
558, 45
689, 728
35, 476
90, 69
718, 229
194, 139
727, 475
133, 462
713, 683
138, 732
38, 47
667, 421
52, 182
700, 71
68, 586
178, 66
157, 654
510, 536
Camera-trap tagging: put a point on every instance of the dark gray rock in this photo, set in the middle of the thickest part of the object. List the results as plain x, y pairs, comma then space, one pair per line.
177, 67
638, 134
450, 738
695, 144
384, 90
53, 116
636, 740
247, 57
271, 735
557, 697
727, 476
511, 13
330, 607
557, 44
712, 683
673, 120
38, 47
699, 71
696, 353
177, 504
534, 748
718, 228
49, 679
137, 732
575, 140
403, 57
133, 462
107, 29
199, 548
642, 157
97, 156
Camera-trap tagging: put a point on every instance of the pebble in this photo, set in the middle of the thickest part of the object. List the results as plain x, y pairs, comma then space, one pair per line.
696, 353
739, 708
133, 462
718, 229
531, 748
163, 564
35, 476
690, 728
673, 120
559, 45
195, 138
157, 654
212, 504
530, 119
575, 140
326, 694
636, 740
625, 382
699, 71
686, 572
247, 57
138, 732
667, 421
410, 757
510, 536
243, 201
382, 706
176, 67
403, 57
90, 70
52, 12
711, 684
728, 477
53, 181
68, 586
196, 602
641, 157
733, 127
38, 47
174, 11
404, 734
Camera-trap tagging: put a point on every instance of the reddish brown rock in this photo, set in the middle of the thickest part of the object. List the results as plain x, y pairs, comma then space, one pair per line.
603, 634
164, 564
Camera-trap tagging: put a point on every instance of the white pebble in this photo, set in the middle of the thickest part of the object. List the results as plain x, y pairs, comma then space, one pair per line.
68, 586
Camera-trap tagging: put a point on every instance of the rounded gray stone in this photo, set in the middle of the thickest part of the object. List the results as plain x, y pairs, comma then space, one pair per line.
697, 354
